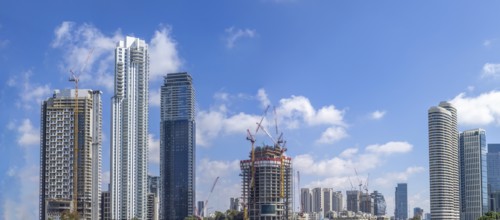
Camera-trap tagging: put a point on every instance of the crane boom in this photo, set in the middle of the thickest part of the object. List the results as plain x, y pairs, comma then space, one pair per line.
211, 190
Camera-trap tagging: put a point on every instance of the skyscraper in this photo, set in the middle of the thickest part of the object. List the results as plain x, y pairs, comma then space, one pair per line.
318, 204
337, 201
473, 179
306, 200
153, 197
443, 162
493, 173
353, 199
177, 150
129, 130
379, 205
57, 151
327, 200
401, 206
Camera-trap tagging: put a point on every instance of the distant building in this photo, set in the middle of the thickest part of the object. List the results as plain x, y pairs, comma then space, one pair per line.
443, 162
379, 205
271, 195
473, 179
177, 150
154, 185
493, 173
418, 213
327, 200
152, 207
317, 200
366, 203
306, 199
106, 205
427, 216
57, 147
353, 199
337, 201
234, 204
201, 206
401, 206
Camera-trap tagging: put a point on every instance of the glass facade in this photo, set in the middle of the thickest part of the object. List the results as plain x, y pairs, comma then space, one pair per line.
379, 205
401, 210
493, 161
177, 151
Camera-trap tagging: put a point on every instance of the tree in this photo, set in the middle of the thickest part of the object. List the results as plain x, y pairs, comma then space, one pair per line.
490, 215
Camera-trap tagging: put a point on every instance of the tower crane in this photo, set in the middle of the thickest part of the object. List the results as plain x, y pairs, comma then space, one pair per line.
206, 201
360, 182
75, 78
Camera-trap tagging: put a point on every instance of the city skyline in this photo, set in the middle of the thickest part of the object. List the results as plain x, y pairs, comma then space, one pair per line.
351, 83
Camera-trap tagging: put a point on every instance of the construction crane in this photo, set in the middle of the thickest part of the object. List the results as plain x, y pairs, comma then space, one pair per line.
352, 186
206, 201
366, 184
360, 182
75, 78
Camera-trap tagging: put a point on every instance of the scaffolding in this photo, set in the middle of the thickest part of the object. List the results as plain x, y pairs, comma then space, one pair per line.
271, 196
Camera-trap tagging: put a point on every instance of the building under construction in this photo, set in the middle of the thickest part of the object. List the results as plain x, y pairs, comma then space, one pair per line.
267, 184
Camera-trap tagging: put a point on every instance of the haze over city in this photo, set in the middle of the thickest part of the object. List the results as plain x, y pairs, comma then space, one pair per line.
351, 83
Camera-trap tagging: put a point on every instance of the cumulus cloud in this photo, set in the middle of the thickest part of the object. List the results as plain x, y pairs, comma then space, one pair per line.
376, 115
332, 135
491, 70
390, 178
298, 108
28, 136
155, 97
163, 54
478, 111
349, 152
234, 35
24, 205
263, 99
390, 148
30, 94
154, 149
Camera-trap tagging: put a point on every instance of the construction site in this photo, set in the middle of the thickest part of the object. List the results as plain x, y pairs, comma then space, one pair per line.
267, 179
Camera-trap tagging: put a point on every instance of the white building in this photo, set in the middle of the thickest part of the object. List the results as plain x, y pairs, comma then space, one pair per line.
57, 154
317, 200
129, 130
443, 162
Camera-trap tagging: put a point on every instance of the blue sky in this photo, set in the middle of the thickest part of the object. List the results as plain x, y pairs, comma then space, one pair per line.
351, 81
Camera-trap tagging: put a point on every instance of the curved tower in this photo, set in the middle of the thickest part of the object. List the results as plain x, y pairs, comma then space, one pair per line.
443, 162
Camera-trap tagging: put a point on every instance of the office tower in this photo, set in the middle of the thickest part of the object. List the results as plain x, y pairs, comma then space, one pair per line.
443, 162
401, 206
306, 200
353, 199
473, 179
317, 200
271, 196
106, 205
129, 130
177, 150
154, 185
418, 213
201, 206
379, 204
493, 173
337, 201
57, 151
327, 200
427, 216
234, 204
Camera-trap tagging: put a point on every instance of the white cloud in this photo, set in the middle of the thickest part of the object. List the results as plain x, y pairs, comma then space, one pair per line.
154, 149
349, 152
28, 136
390, 148
263, 99
163, 54
25, 204
491, 70
389, 179
332, 135
376, 115
155, 97
478, 111
298, 108
234, 35
30, 94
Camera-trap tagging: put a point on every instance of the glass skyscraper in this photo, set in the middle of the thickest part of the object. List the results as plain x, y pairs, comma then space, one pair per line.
379, 205
473, 174
493, 161
401, 206
443, 162
177, 147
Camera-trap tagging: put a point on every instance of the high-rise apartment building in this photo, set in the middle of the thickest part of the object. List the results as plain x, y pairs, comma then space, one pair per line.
379, 205
327, 200
493, 173
177, 147
306, 200
57, 153
318, 204
401, 205
337, 201
473, 174
153, 197
443, 162
234, 204
106, 205
129, 130
366, 203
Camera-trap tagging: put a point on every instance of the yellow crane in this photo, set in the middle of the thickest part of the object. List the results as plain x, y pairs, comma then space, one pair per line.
75, 79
